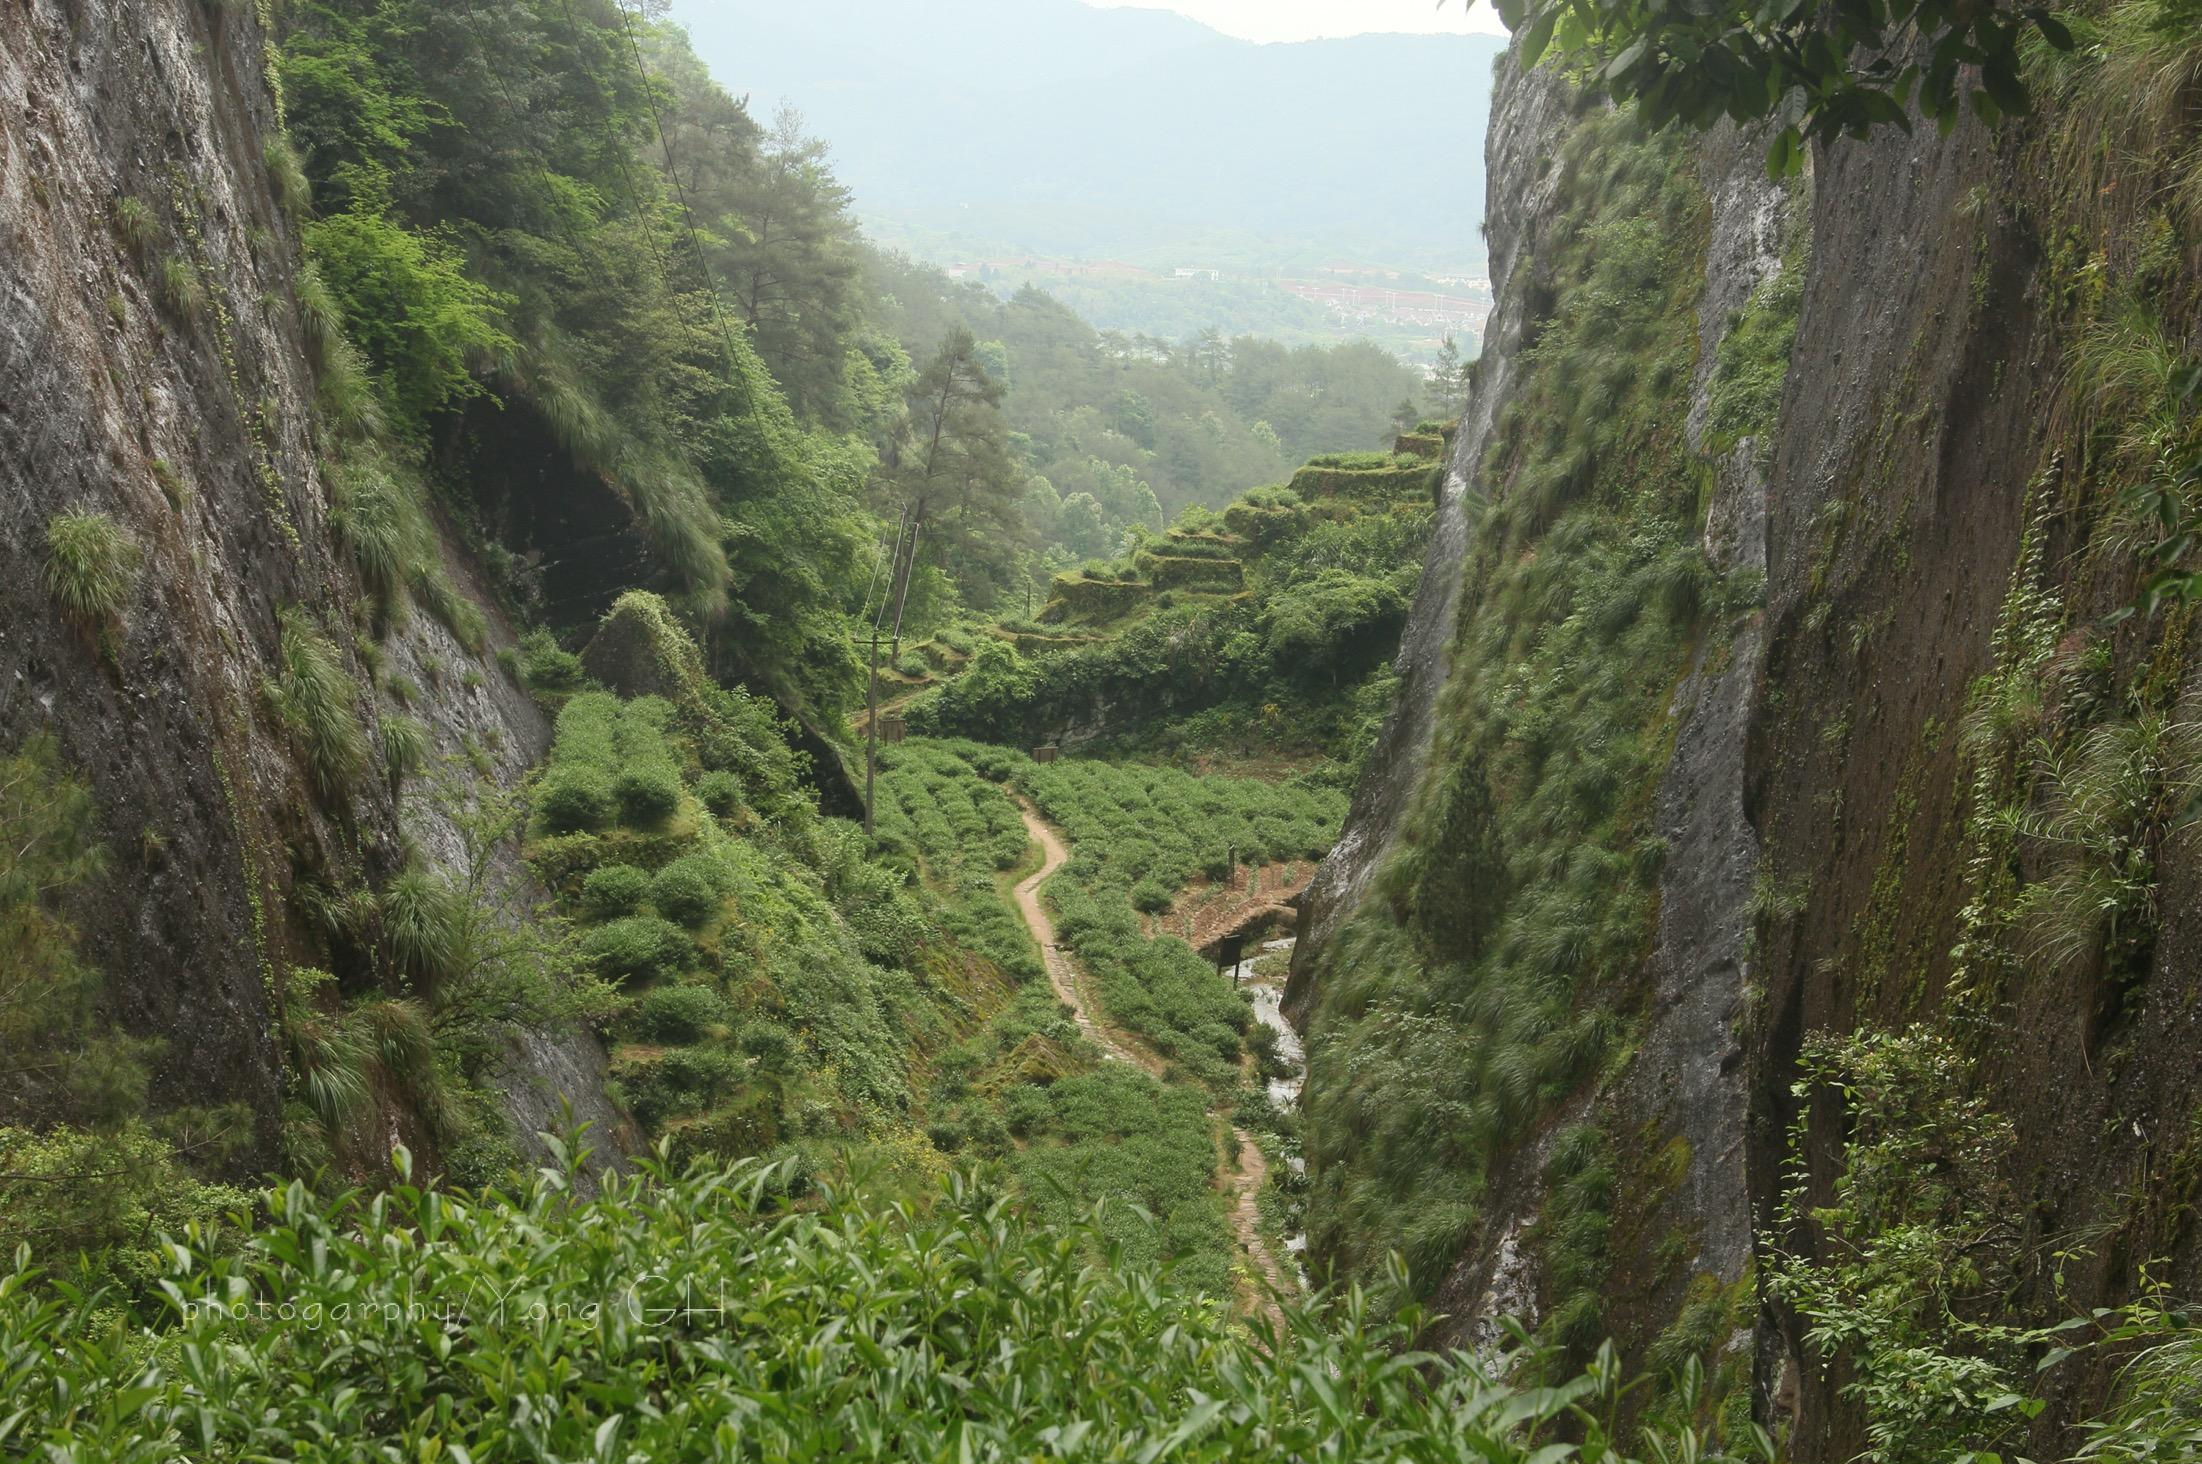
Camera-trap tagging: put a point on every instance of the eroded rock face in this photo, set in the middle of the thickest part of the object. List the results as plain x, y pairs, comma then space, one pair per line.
1528, 113
152, 370
159, 380
1817, 810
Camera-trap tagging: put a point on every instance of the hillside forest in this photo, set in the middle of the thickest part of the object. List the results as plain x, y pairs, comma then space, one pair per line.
635, 828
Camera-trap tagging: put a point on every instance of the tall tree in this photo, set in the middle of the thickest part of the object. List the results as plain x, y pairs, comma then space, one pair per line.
950, 471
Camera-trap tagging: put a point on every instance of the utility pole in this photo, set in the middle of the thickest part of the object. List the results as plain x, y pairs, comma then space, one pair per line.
871, 717
871, 736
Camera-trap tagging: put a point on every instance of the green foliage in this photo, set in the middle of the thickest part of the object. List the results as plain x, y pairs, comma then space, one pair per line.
647, 797
98, 1203
1483, 980
317, 700
1328, 591
1115, 434
2106, 805
409, 303
720, 792
638, 948
1752, 364
547, 667
1851, 70
181, 289
574, 800
287, 177
1139, 834
91, 565
61, 1064
420, 926
406, 746
680, 1014
613, 891
134, 222
688, 891
1038, 1330
2156, 1416
1905, 1273
494, 215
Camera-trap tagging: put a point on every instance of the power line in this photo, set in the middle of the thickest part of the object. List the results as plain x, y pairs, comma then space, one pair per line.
688, 214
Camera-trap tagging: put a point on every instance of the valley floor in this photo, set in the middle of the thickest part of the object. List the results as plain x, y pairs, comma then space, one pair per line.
1245, 1169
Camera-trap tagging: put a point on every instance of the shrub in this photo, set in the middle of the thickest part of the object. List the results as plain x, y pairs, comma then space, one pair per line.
647, 796
420, 924
382, 526
721, 792
679, 1014
316, 698
91, 564
180, 288
1150, 897
546, 666
638, 948
770, 1043
574, 799
287, 177
685, 893
613, 891
408, 300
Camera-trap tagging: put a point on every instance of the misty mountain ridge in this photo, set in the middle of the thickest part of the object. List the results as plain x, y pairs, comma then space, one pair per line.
977, 127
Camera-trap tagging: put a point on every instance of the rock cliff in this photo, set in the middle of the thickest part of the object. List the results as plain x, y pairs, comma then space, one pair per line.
1904, 632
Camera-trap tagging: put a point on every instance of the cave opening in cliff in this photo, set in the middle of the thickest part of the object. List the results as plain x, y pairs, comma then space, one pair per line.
572, 533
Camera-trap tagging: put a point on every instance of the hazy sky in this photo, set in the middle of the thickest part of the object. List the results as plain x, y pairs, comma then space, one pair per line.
1301, 20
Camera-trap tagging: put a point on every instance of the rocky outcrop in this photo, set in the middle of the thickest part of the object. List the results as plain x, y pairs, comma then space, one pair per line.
1844, 826
153, 371
1527, 113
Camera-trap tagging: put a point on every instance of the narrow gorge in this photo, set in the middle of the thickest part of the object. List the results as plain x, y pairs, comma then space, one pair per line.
635, 827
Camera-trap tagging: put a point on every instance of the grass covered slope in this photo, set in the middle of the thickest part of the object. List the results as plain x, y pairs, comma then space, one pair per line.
1265, 626
1495, 975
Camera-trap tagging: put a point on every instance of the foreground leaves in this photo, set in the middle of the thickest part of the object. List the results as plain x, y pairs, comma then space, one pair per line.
696, 1317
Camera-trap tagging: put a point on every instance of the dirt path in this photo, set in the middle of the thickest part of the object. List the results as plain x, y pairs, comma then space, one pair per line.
1245, 1170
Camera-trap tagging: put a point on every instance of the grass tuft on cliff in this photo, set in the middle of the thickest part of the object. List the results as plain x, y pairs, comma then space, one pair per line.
91, 565
317, 700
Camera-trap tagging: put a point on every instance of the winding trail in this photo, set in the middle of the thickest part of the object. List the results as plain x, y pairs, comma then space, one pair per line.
1243, 1171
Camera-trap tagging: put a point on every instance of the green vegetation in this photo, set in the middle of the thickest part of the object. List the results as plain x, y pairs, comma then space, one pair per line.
1135, 832
1025, 1088
339, 1327
1896, 1274
91, 565
1848, 67
317, 700
819, 972
181, 289
1116, 433
1148, 832
1481, 984
1290, 597
89, 1176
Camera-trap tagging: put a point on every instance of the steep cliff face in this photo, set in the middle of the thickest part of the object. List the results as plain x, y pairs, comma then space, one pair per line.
1941, 782
1523, 176
1954, 682
153, 380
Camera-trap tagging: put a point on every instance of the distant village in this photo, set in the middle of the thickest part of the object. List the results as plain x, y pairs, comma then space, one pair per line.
1355, 294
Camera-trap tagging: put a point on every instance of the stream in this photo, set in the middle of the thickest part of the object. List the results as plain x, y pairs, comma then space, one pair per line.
1267, 994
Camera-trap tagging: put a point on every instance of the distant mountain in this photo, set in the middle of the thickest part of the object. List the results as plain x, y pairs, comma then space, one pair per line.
1052, 127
